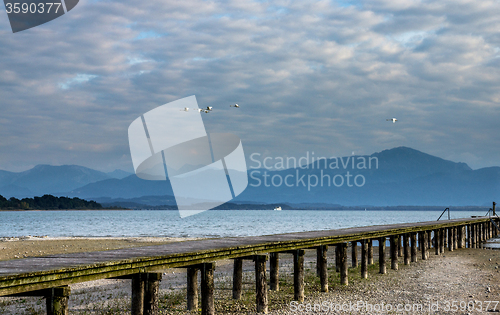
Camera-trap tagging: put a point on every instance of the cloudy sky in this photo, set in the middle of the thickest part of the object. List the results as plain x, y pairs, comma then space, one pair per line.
318, 76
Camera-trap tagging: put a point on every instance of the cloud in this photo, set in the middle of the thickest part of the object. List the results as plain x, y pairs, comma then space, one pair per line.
320, 76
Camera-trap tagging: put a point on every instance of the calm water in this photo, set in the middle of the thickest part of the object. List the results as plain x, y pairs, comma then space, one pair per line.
207, 224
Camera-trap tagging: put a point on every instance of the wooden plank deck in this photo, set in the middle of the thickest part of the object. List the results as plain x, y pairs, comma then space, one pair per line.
37, 273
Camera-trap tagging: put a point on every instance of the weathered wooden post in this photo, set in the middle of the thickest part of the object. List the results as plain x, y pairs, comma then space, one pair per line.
394, 251
192, 288
323, 268
423, 244
138, 283
151, 298
455, 237
260, 283
370, 252
337, 258
274, 269
460, 239
468, 237
57, 300
364, 259
354, 254
207, 289
436, 242
237, 278
429, 239
441, 238
406, 246
473, 235
400, 247
381, 255
450, 239
298, 275
413, 239
343, 263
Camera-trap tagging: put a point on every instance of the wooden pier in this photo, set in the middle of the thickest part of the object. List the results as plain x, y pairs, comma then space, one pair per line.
50, 276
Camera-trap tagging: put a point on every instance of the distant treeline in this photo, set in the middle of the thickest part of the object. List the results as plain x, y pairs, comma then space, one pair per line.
47, 202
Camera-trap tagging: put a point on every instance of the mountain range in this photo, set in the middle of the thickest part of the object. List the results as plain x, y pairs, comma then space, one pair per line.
393, 177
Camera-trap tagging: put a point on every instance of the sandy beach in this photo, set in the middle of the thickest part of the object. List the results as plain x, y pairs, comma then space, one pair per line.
440, 285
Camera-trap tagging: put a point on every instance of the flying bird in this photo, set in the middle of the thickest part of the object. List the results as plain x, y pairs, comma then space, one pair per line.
186, 109
235, 105
199, 110
207, 111
209, 108
392, 119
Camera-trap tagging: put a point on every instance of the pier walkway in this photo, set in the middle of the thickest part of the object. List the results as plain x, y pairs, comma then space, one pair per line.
50, 276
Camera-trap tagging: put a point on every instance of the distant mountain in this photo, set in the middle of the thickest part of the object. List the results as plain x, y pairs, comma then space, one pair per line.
47, 179
118, 174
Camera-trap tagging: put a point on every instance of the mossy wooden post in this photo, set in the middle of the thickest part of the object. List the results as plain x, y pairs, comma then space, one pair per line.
274, 269
400, 247
207, 289
152, 288
413, 239
406, 247
237, 278
364, 259
394, 252
370, 252
343, 264
260, 283
57, 300
323, 269
354, 254
138, 284
450, 239
192, 288
298, 275
337, 258
423, 244
381, 255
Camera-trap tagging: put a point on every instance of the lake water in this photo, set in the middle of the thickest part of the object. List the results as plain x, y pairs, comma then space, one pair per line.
213, 223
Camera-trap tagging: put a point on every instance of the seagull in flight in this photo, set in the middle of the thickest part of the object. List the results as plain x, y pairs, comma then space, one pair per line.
235, 105
392, 119
186, 109
209, 108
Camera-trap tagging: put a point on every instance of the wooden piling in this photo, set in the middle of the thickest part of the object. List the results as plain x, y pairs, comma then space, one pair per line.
138, 283
260, 283
406, 247
237, 278
364, 259
298, 275
192, 288
343, 264
441, 240
274, 269
413, 240
207, 289
151, 290
57, 300
370, 252
423, 243
429, 239
354, 254
400, 247
337, 258
381, 255
322, 267
394, 252
436, 242
450, 239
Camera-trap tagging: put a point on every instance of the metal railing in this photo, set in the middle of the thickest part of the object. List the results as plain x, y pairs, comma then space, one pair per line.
447, 209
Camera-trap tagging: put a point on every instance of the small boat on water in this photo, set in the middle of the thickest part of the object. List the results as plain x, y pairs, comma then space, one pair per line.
277, 208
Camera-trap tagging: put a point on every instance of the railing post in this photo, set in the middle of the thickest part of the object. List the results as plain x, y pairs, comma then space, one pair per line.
364, 259
322, 267
298, 275
394, 252
413, 239
343, 263
192, 288
261, 283
237, 278
381, 255
274, 269
207, 289
57, 300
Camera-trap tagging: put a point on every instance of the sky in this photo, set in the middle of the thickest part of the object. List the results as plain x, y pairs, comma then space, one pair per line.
309, 76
